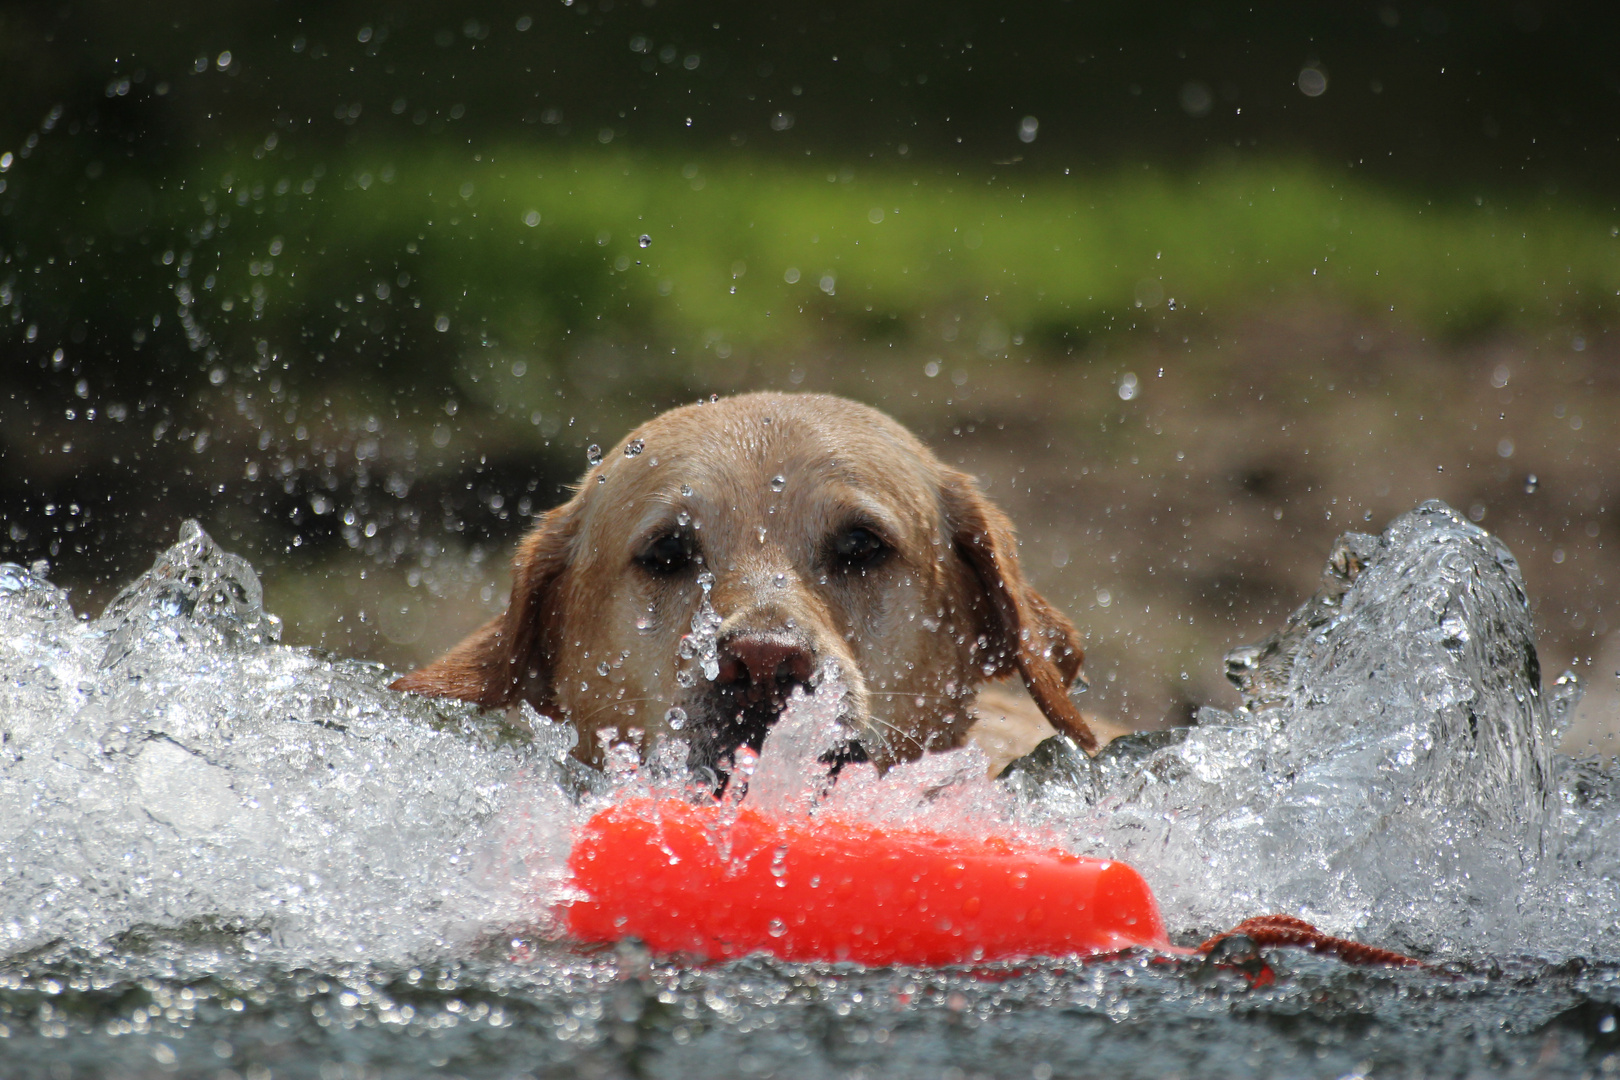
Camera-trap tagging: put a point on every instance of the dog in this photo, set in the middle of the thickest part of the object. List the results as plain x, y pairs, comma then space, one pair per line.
728, 552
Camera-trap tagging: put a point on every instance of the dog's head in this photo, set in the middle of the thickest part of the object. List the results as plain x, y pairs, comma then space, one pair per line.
726, 553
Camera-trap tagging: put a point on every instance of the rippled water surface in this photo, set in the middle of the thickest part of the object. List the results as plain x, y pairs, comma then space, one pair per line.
223, 855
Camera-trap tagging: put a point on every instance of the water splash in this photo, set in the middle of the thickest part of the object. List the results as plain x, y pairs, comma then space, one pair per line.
703, 643
1390, 775
171, 762
791, 774
219, 851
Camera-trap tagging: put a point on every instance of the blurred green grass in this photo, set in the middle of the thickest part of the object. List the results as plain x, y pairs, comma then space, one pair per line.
382, 255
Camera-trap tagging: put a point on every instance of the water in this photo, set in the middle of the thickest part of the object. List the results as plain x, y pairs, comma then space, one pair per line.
170, 763
1391, 775
223, 856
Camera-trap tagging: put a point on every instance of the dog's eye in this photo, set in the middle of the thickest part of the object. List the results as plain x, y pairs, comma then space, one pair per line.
669, 554
858, 548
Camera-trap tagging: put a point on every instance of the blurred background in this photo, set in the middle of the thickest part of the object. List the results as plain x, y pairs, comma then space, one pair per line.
1192, 288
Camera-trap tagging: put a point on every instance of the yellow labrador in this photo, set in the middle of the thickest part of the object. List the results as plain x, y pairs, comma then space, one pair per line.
727, 552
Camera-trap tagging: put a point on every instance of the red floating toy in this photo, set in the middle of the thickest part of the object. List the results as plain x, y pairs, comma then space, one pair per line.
684, 880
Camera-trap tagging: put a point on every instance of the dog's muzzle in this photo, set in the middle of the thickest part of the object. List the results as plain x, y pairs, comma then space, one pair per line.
758, 672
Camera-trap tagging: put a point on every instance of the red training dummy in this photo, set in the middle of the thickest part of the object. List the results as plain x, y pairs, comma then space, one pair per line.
681, 880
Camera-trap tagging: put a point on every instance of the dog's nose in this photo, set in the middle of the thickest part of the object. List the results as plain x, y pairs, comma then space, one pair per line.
768, 662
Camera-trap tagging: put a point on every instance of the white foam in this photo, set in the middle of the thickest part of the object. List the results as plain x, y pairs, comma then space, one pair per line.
1391, 777
171, 762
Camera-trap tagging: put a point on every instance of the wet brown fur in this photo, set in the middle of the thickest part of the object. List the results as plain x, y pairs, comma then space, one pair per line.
912, 638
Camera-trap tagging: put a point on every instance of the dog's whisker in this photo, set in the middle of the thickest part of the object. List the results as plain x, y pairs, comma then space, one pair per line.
886, 726
908, 694
605, 706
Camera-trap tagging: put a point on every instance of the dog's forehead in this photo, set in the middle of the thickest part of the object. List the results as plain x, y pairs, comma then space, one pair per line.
737, 458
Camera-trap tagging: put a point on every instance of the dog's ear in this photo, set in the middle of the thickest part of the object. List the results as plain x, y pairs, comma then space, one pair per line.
1024, 632
509, 659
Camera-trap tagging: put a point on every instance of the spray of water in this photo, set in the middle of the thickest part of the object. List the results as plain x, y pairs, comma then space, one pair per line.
171, 764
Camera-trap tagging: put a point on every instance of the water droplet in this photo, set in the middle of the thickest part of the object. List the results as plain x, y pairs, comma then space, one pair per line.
593, 454
1455, 628
683, 519
644, 240
1530, 484
622, 758
778, 482
1127, 386
686, 492
778, 928
602, 668
675, 718
1196, 99
634, 447
781, 581
686, 678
